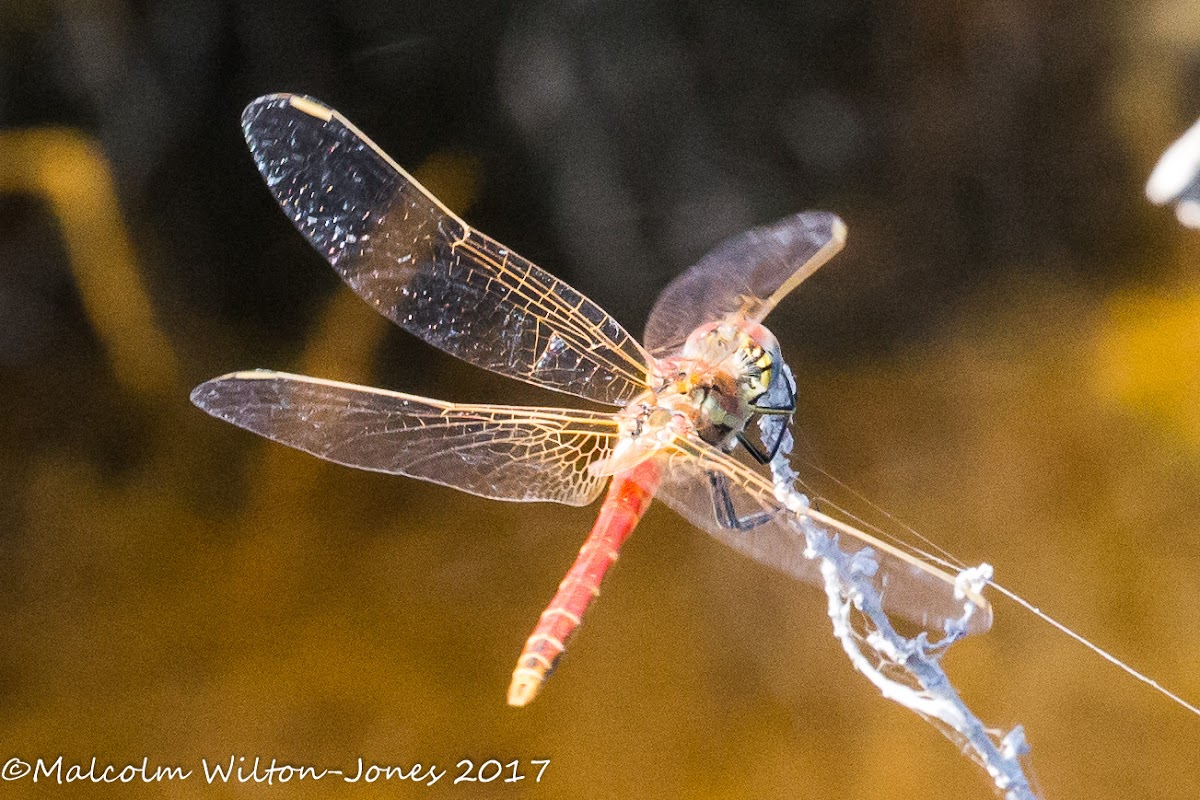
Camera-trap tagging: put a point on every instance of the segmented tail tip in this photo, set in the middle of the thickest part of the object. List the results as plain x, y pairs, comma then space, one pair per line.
524, 687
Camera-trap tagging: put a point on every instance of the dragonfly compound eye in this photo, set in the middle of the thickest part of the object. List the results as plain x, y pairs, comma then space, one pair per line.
754, 368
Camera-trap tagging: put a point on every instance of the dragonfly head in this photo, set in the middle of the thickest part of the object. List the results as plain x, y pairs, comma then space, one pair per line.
736, 356
727, 375
733, 371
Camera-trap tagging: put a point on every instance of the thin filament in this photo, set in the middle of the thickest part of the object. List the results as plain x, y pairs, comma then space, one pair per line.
952, 563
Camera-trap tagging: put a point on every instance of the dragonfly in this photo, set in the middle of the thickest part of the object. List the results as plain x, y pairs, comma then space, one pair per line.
680, 407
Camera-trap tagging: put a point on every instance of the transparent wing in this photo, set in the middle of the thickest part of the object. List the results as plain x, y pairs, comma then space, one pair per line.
911, 588
748, 274
424, 268
500, 452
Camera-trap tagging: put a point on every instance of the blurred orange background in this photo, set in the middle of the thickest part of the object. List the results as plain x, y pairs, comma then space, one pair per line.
1007, 356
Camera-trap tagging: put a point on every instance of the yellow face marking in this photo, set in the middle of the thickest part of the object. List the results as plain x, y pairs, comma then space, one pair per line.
757, 364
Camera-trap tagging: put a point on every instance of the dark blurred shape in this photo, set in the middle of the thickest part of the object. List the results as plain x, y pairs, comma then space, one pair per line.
823, 130
606, 98
619, 142
34, 284
69, 172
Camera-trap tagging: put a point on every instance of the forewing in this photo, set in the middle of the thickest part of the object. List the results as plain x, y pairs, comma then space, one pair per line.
911, 588
500, 452
424, 268
747, 274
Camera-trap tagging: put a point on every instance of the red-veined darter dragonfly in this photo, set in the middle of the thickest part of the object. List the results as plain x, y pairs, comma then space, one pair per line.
683, 398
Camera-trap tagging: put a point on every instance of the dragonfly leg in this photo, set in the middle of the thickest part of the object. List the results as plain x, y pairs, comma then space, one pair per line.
774, 411
753, 449
760, 455
769, 414
727, 517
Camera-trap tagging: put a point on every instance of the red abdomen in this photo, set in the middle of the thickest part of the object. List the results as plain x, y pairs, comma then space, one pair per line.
628, 497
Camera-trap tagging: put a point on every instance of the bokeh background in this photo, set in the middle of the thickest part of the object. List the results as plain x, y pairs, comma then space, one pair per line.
1007, 356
